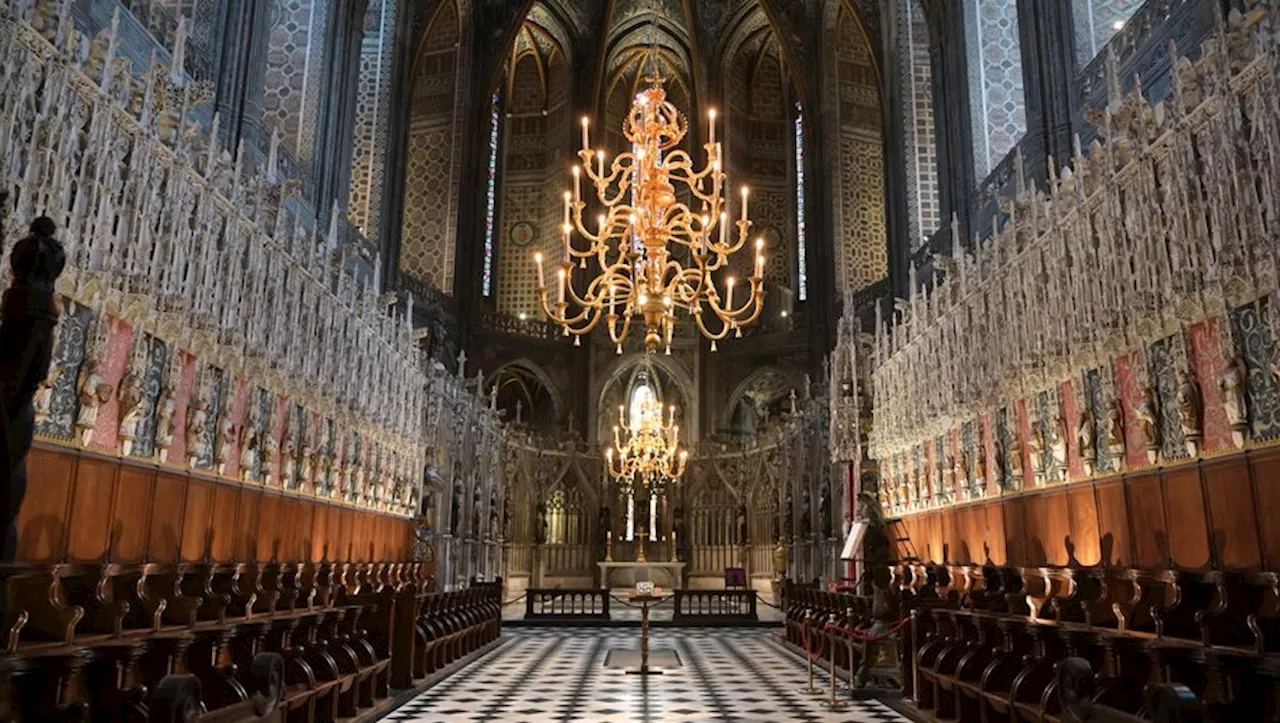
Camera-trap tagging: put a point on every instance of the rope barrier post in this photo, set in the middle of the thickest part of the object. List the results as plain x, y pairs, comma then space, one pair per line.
831, 643
849, 638
808, 656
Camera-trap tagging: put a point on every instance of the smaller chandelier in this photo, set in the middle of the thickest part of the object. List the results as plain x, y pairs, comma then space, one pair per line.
651, 450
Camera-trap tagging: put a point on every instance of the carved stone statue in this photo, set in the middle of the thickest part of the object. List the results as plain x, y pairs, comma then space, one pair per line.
197, 429
806, 515
494, 530
165, 425
1113, 429
44, 393
455, 507
780, 560
94, 392
824, 512
1190, 412
249, 445
980, 467
226, 439
1233, 384
1148, 422
1038, 446
1086, 432
540, 523
132, 402
1058, 444
28, 316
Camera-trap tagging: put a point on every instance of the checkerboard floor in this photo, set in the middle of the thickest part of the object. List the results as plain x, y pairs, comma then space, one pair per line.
545, 674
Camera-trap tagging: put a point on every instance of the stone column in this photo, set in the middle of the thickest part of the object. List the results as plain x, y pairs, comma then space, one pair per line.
331, 163
242, 68
951, 107
1048, 71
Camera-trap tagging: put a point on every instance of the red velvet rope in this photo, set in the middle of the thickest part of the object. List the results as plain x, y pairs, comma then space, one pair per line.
856, 635
804, 630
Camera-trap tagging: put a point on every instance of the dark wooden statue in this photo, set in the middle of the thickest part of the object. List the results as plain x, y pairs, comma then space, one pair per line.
28, 315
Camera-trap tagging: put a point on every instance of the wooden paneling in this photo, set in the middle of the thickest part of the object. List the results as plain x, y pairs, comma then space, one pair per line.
168, 512
226, 502
1085, 539
1234, 522
130, 512
89, 531
1265, 471
42, 522
1185, 511
87, 507
1146, 520
1115, 543
1222, 513
196, 520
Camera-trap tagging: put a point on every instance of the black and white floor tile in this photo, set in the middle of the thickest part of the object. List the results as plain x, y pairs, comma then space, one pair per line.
546, 674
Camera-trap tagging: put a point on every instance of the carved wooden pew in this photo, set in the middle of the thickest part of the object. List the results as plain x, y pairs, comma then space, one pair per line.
987, 643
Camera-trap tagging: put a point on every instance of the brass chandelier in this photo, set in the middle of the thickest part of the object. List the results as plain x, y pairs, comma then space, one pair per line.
646, 449
655, 254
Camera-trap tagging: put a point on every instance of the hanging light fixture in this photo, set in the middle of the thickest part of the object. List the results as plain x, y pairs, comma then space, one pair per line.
645, 448
641, 226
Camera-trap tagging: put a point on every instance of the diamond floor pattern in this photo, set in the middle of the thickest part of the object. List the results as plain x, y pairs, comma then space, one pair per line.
543, 674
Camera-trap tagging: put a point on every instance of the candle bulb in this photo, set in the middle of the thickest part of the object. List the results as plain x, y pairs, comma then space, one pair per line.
711, 114
542, 279
600, 164
563, 282
585, 140
577, 184
745, 194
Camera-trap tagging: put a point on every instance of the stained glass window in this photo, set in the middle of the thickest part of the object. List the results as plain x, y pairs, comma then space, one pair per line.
492, 193
801, 261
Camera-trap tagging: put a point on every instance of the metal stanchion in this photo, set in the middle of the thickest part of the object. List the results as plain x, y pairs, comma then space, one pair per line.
849, 638
831, 695
808, 657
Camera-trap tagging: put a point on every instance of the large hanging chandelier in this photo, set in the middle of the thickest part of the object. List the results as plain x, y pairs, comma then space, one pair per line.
655, 254
645, 448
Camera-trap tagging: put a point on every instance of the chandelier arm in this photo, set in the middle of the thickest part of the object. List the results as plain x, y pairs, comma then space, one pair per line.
697, 317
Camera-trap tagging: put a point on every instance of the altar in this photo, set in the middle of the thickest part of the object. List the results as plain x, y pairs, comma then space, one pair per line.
669, 575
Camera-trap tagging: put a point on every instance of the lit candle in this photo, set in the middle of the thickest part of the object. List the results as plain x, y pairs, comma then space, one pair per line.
585, 141
712, 115
728, 293
542, 279
567, 228
577, 184
745, 195
759, 265
724, 227
563, 283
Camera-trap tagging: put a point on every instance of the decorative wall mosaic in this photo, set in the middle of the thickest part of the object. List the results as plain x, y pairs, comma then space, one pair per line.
997, 105
918, 122
373, 105
295, 73
861, 252
428, 238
